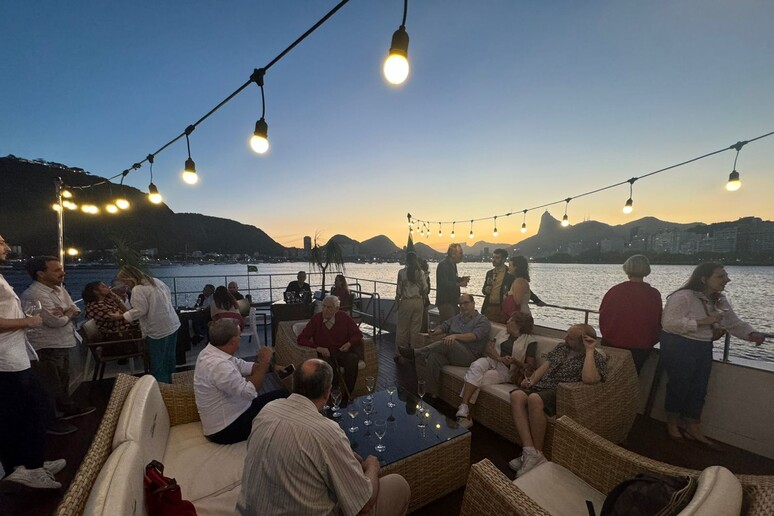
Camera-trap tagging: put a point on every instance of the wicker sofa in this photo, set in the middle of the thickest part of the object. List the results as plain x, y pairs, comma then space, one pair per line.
602, 465
287, 351
607, 408
147, 420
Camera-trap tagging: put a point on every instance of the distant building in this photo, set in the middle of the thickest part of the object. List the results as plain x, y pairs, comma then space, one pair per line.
612, 245
666, 242
307, 243
152, 252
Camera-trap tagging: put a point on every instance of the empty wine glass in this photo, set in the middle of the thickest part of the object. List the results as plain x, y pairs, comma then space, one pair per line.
421, 394
370, 383
336, 397
421, 415
353, 410
391, 391
380, 428
32, 307
368, 407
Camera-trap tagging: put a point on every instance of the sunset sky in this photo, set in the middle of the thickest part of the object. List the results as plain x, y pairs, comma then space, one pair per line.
509, 105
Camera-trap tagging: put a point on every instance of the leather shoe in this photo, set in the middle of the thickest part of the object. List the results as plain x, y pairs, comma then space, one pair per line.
406, 353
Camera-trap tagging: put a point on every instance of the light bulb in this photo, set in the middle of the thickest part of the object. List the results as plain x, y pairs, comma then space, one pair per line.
259, 142
471, 234
56, 207
523, 227
67, 194
189, 177
111, 208
440, 234
495, 232
565, 221
153, 194
452, 234
72, 251
396, 66
122, 203
628, 208
734, 183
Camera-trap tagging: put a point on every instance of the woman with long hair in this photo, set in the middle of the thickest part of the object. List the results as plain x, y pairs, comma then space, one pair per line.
106, 309
152, 307
409, 297
695, 315
517, 299
224, 306
341, 290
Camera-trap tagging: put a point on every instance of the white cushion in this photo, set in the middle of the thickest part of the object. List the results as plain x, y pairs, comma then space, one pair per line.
223, 503
203, 469
119, 485
144, 419
299, 327
717, 493
558, 491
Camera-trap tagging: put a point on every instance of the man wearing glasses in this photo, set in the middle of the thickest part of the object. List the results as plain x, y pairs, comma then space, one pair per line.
460, 340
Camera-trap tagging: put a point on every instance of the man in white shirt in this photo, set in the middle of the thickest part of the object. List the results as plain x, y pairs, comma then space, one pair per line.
300, 462
24, 404
226, 387
55, 338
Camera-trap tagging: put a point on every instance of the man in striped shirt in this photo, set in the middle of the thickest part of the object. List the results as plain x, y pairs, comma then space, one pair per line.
300, 462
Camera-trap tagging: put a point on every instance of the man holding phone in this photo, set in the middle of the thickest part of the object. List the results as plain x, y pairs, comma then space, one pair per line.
226, 387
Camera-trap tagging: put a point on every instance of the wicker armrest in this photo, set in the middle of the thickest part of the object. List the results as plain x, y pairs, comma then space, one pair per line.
287, 350
181, 403
490, 492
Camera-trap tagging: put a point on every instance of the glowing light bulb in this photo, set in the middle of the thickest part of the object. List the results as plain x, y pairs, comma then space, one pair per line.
440, 233
56, 207
111, 208
495, 232
452, 234
153, 194
72, 251
565, 221
70, 205
471, 234
734, 183
67, 194
122, 203
396, 66
523, 227
628, 208
259, 142
189, 177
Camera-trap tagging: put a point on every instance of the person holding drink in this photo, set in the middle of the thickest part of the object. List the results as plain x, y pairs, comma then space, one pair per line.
448, 283
694, 316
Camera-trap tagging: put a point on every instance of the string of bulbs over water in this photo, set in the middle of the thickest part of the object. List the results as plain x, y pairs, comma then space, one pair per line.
395, 69
734, 183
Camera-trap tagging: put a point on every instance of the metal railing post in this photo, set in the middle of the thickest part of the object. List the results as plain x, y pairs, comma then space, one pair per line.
726, 347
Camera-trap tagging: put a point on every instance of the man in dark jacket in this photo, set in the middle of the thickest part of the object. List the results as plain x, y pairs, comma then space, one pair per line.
448, 283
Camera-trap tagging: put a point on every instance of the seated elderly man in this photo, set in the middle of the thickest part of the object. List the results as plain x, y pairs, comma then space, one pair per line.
463, 339
226, 387
573, 360
337, 340
300, 462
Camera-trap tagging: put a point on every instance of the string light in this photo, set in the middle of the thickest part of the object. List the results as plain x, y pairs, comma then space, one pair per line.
71, 251
629, 206
471, 229
427, 231
495, 233
153, 193
259, 142
452, 232
396, 66
524, 223
67, 194
734, 183
56, 207
565, 220
440, 233
189, 171
111, 208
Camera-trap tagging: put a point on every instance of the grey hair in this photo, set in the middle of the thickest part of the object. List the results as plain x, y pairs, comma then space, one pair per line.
222, 331
335, 299
637, 265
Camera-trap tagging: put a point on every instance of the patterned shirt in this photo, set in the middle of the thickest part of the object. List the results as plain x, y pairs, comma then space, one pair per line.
299, 462
100, 311
566, 366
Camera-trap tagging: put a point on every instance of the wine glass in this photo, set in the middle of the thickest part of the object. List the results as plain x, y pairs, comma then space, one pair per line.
391, 391
380, 428
368, 407
353, 410
421, 415
336, 397
421, 394
370, 383
32, 307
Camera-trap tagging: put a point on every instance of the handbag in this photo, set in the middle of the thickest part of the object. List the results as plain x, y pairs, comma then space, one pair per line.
162, 494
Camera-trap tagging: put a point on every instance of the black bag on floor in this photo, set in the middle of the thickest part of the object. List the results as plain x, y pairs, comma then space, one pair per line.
649, 495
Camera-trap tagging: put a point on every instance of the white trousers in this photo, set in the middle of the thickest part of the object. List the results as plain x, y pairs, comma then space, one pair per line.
486, 371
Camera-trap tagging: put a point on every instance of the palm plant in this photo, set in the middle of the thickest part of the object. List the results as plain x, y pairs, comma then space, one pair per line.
323, 256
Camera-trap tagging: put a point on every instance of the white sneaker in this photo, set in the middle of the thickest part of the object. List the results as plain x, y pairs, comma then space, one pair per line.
54, 466
530, 462
38, 478
463, 411
515, 464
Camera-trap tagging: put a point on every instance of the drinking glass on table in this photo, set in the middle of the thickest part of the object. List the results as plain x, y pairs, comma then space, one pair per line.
421, 394
370, 383
32, 307
368, 407
380, 429
391, 391
336, 397
353, 410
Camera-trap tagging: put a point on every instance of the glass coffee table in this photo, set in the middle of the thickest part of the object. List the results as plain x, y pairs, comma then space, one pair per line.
433, 459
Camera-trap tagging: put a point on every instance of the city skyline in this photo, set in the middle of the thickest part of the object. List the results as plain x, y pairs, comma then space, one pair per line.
507, 106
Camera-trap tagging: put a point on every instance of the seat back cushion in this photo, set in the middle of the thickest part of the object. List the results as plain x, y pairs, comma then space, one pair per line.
119, 485
144, 419
718, 493
299, 327
544, 482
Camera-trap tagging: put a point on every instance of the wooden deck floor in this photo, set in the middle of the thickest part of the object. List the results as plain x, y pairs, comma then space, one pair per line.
648, 437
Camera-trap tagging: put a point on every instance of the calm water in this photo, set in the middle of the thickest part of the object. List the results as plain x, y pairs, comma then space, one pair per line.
574, 285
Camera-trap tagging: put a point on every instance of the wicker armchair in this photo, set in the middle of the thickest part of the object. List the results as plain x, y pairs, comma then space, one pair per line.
599, 463
287, 351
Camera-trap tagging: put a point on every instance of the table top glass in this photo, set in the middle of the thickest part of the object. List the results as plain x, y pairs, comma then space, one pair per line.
403, 437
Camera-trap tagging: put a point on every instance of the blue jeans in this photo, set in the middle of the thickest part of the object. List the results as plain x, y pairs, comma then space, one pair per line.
162, 357
688, 364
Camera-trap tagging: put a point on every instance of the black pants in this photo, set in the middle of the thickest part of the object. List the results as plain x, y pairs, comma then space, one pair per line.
25, 408
53, 370
239, 429
347, 360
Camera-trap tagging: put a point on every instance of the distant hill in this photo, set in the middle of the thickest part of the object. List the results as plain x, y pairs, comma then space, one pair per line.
379, 245
427, 252
26, 217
